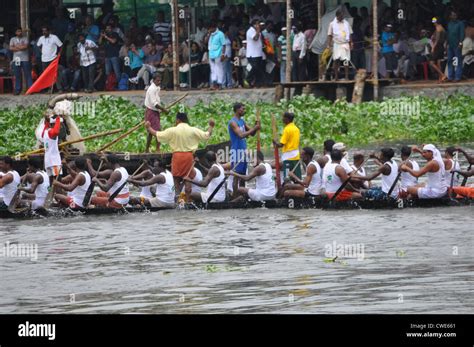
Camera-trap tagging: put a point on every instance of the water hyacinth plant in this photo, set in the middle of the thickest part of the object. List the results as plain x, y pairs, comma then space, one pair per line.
419, 119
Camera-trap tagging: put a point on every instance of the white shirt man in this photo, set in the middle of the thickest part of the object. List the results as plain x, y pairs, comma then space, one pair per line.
254, 47
87, 55
49, 47
299, 44
152, 97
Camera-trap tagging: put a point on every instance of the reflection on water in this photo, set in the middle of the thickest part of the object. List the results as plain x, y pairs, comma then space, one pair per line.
415, 260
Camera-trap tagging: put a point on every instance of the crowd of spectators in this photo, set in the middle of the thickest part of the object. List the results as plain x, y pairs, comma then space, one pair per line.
238, 46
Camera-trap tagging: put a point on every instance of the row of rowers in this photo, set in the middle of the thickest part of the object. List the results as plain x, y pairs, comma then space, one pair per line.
324, 176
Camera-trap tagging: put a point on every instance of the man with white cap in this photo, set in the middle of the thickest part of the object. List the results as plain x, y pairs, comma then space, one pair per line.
340, 40
436, 186
344, 163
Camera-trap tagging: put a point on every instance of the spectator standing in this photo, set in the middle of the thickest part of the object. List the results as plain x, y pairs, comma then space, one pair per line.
162, 27
60, 22
216, 46
228, 81
340, 40
388, 39
49, 44
21, 60
91, 30
110, 40
86, 50
437, 49
255, 54
282, 54
270, 43
455, 39
298, 70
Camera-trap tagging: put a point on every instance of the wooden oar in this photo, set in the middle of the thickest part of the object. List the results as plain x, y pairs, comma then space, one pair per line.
464, 181
49, 198
394, 183
452, 175
63, 144
176, 101
259, 146
121, 137
119, 189
15, 200
219, 186
90, 189
276, 153
344, 184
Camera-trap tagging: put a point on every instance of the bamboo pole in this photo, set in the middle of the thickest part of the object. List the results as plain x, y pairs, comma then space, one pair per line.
289, 16
375, 66
61, 145
320, 15
174, 41
103, 148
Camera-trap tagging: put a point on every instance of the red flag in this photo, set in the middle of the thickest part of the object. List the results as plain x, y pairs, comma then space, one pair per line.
46, 79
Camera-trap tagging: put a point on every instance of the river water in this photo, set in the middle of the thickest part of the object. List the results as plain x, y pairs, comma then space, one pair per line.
243, 261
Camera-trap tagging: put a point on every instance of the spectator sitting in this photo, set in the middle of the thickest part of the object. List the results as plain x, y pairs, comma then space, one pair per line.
4, 65
71, 75
151, 62
166, 67
135, 60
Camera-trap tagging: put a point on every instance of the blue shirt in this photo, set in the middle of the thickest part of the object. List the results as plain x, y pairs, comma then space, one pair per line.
136, 61
386, 47
93, 33
216, 42
237, 146
455, 33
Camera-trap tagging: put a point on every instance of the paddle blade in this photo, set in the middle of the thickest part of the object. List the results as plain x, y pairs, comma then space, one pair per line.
87, 197
15, 201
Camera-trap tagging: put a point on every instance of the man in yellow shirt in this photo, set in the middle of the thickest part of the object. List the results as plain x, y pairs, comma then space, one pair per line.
290, 141
184, 141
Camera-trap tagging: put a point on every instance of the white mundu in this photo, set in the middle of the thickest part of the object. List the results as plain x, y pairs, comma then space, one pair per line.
10, 189
388, 180
165, 191
407, 179
79, 192
52, 156
41, 191
264, 185
220, 195
316, 183
448, 173
331, 181
123, 196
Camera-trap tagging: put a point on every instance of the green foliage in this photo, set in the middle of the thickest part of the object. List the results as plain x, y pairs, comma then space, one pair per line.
448, 120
